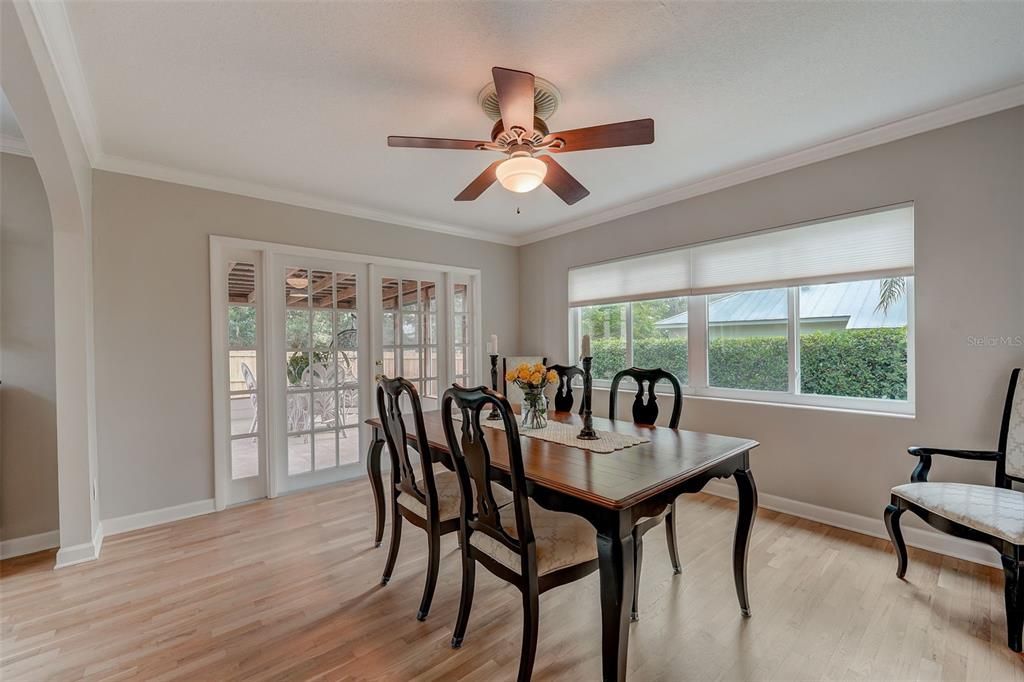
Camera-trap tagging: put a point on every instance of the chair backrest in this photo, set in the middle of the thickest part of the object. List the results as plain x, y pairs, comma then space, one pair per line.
1011, 433
563, 393
472, 460
511, 391
646, 411
389, 409
250, 383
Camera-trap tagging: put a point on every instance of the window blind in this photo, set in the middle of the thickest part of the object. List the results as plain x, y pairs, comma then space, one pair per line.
657, 275
862, 246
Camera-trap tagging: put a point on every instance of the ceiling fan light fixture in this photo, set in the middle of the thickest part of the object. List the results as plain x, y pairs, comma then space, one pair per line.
297, 282
521, 173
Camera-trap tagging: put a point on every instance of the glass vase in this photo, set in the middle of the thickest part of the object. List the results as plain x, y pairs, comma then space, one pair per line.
534, 409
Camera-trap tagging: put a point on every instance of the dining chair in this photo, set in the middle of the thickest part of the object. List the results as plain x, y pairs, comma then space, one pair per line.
564, 398
426, 499
645, 411
511, 391
523, 543
990, 514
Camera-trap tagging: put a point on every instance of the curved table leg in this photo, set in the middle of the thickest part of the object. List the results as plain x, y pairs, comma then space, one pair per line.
615, 558
744, 524
376, 484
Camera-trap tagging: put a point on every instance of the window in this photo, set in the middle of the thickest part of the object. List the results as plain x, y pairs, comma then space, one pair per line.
748, 340
853, 339
816, 314
637, 333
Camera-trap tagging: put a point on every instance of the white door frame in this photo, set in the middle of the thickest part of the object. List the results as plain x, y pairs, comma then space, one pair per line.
366, 267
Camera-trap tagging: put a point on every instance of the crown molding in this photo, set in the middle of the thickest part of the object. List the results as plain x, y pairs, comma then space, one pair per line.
990, 103
153, 171
9, 144
55, 28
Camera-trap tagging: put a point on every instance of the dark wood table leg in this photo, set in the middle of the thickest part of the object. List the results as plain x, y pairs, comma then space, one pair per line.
615, 557
376, 483
744, 523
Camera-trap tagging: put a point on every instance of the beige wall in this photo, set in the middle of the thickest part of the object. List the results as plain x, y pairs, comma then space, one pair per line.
28, 416
151, 259
967, 182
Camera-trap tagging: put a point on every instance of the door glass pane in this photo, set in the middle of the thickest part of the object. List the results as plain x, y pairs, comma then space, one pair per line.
245, 461
325, 449
748, 340
323, 332
299, 452
297, 369
297, 329
411, 363
348, 445
243, 414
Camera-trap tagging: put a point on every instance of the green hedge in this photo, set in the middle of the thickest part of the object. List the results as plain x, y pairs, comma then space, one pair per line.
866, 363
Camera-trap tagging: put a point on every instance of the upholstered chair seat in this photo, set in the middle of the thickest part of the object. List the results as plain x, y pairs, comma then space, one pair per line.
562, 540
449, 497
996, 511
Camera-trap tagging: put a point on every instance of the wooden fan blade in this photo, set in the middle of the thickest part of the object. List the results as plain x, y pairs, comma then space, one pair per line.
480, 183
561, 183
622, 134
515, 97
432, 143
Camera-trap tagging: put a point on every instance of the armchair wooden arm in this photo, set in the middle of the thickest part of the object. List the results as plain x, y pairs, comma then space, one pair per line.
920, 473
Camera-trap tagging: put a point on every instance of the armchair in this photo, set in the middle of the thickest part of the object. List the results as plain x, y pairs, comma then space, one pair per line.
993, 515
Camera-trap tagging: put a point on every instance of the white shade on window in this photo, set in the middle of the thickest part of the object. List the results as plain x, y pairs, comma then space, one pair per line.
857, 247
866, 245
656, 275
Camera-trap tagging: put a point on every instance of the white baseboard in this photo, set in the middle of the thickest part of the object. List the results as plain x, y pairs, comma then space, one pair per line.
865, 525
77, 554
29, 544
156, 517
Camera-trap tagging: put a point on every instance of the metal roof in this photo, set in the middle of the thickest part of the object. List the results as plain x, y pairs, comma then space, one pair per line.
856, 302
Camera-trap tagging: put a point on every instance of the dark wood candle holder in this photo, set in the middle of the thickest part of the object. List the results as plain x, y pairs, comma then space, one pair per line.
494, 415
587, 432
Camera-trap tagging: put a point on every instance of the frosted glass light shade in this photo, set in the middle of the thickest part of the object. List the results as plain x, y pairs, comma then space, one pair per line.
521, 173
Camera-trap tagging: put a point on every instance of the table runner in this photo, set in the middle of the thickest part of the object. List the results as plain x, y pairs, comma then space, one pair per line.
566, 434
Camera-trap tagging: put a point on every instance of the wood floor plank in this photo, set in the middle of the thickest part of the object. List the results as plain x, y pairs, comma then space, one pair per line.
288, 589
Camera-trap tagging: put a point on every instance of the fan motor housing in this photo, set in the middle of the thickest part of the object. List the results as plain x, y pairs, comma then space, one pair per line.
546, 99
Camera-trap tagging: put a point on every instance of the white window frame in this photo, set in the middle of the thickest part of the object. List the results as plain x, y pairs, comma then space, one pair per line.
697, 357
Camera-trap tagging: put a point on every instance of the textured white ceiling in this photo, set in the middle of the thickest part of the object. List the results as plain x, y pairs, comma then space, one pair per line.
301, 96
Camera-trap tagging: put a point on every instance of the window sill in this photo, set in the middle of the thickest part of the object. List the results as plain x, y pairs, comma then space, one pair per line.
899, 410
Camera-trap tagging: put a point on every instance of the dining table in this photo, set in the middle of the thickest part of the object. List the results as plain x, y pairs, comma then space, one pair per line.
613, 491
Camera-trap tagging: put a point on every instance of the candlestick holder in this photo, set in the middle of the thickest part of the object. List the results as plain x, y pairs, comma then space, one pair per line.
494, 415
587, 432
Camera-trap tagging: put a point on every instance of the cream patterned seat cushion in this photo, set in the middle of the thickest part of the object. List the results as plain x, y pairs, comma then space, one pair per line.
562, 540
996, 511
448, 496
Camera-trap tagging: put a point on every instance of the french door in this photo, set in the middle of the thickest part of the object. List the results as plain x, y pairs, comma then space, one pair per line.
413, 338
298, 337
317, 371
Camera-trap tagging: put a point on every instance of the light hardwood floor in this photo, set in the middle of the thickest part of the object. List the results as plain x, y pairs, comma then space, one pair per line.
288, 590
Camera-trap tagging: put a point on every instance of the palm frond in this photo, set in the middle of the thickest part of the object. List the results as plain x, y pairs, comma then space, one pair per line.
890, 290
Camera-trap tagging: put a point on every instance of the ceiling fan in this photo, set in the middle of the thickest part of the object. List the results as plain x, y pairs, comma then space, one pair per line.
521, 102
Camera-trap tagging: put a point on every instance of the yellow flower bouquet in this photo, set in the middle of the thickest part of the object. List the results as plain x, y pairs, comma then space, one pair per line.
532, 379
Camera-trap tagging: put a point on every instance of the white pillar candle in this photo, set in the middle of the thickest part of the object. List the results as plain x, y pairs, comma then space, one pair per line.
490, 348
586, 346
494, 344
